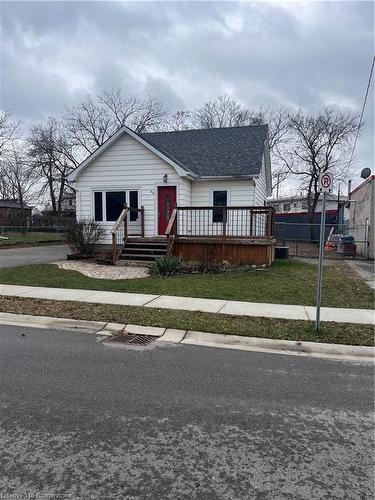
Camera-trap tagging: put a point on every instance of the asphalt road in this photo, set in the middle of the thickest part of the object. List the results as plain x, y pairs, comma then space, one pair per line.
42, 254
82, 420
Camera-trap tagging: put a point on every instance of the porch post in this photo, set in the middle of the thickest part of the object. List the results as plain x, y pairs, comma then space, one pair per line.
114, 249
225, 222
143, 221
125, 223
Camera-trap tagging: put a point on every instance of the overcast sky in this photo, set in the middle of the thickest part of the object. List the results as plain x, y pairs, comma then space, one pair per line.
308, 54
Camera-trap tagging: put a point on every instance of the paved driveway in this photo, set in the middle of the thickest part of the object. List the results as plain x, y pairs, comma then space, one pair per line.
43, 254
81, 420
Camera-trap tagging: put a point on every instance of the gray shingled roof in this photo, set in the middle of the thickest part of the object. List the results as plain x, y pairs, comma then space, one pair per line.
12, 204
232, 151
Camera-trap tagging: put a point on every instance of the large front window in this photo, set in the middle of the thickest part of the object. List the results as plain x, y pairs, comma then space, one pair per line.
109, 204
114, 204
219, 199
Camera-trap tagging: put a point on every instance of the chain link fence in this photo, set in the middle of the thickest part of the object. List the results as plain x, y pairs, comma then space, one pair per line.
302, 239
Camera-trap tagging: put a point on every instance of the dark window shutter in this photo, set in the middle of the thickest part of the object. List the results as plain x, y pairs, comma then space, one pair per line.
98, 206
133, 203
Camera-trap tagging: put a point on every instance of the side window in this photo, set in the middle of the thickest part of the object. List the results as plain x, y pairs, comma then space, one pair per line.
286, 207
114, 202
133, 203
219, 199
98, 206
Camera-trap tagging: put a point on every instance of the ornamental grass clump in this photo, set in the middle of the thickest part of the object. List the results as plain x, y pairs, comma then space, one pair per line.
167, 265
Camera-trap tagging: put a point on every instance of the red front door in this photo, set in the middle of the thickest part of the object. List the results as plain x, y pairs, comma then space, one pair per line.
166, 204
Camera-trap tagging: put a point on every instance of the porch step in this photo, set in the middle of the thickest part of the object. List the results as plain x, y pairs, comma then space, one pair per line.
146, 245
139, 257
143, 250
145, 240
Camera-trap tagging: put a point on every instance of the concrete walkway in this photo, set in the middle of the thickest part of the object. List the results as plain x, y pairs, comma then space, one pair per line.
365, 269
282, 311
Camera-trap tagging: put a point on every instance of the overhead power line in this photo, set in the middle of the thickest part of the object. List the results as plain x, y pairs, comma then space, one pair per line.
362, 112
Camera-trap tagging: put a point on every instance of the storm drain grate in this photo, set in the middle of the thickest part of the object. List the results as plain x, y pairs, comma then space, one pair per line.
133, 339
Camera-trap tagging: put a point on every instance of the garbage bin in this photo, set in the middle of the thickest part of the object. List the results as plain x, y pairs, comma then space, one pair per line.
346, 246
281, 252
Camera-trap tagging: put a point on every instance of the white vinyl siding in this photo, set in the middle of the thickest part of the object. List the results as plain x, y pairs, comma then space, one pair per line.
128, 165
240, 193
261, 187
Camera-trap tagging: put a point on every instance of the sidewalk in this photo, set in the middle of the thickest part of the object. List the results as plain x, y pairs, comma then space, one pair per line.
277, 311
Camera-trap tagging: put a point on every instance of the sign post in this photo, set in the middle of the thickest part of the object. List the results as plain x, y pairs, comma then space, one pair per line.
325, 186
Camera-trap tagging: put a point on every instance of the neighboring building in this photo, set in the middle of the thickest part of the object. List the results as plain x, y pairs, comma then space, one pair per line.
293, 222
12, 214
220, 167
295, 204
68, 204
362, 214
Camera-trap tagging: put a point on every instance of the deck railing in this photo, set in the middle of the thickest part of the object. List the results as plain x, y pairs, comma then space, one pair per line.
120, 232
220, 222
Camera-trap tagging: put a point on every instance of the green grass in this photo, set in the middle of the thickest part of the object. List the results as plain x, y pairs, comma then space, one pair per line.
286, 282
339, 333
31, 238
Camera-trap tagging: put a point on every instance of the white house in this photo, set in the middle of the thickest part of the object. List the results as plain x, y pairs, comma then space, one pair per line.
219, 167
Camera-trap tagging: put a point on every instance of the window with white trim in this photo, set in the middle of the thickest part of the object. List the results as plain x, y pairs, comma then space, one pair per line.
109, 204
219, 199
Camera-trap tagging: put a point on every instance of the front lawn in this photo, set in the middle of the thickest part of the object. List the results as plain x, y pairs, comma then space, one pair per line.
336, 333
30, 238
286, 282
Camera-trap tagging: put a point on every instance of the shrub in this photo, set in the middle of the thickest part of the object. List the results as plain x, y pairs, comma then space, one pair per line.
82, 236
166, 266
201, 267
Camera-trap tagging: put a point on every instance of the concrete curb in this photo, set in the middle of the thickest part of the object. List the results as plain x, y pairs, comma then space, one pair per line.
103, 330
317, 349
46, 322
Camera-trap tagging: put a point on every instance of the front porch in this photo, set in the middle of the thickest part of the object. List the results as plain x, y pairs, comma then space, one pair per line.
239, 235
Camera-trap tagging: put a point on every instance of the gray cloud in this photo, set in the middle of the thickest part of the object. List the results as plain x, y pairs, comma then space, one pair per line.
300, 54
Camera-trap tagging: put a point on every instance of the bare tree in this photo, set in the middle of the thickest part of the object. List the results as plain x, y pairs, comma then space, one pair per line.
89, 125
49, 154
318, 143
8, 130
93, 120
225, 111
141, 115
18, 180
181, 120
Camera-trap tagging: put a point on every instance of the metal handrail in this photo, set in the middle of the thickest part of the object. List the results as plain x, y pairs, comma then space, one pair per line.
235, 222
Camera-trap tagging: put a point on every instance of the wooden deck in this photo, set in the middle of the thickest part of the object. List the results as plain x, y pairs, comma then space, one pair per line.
238, 235
233, 250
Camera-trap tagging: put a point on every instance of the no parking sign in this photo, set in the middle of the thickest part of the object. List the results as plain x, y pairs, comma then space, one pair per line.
325, 182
